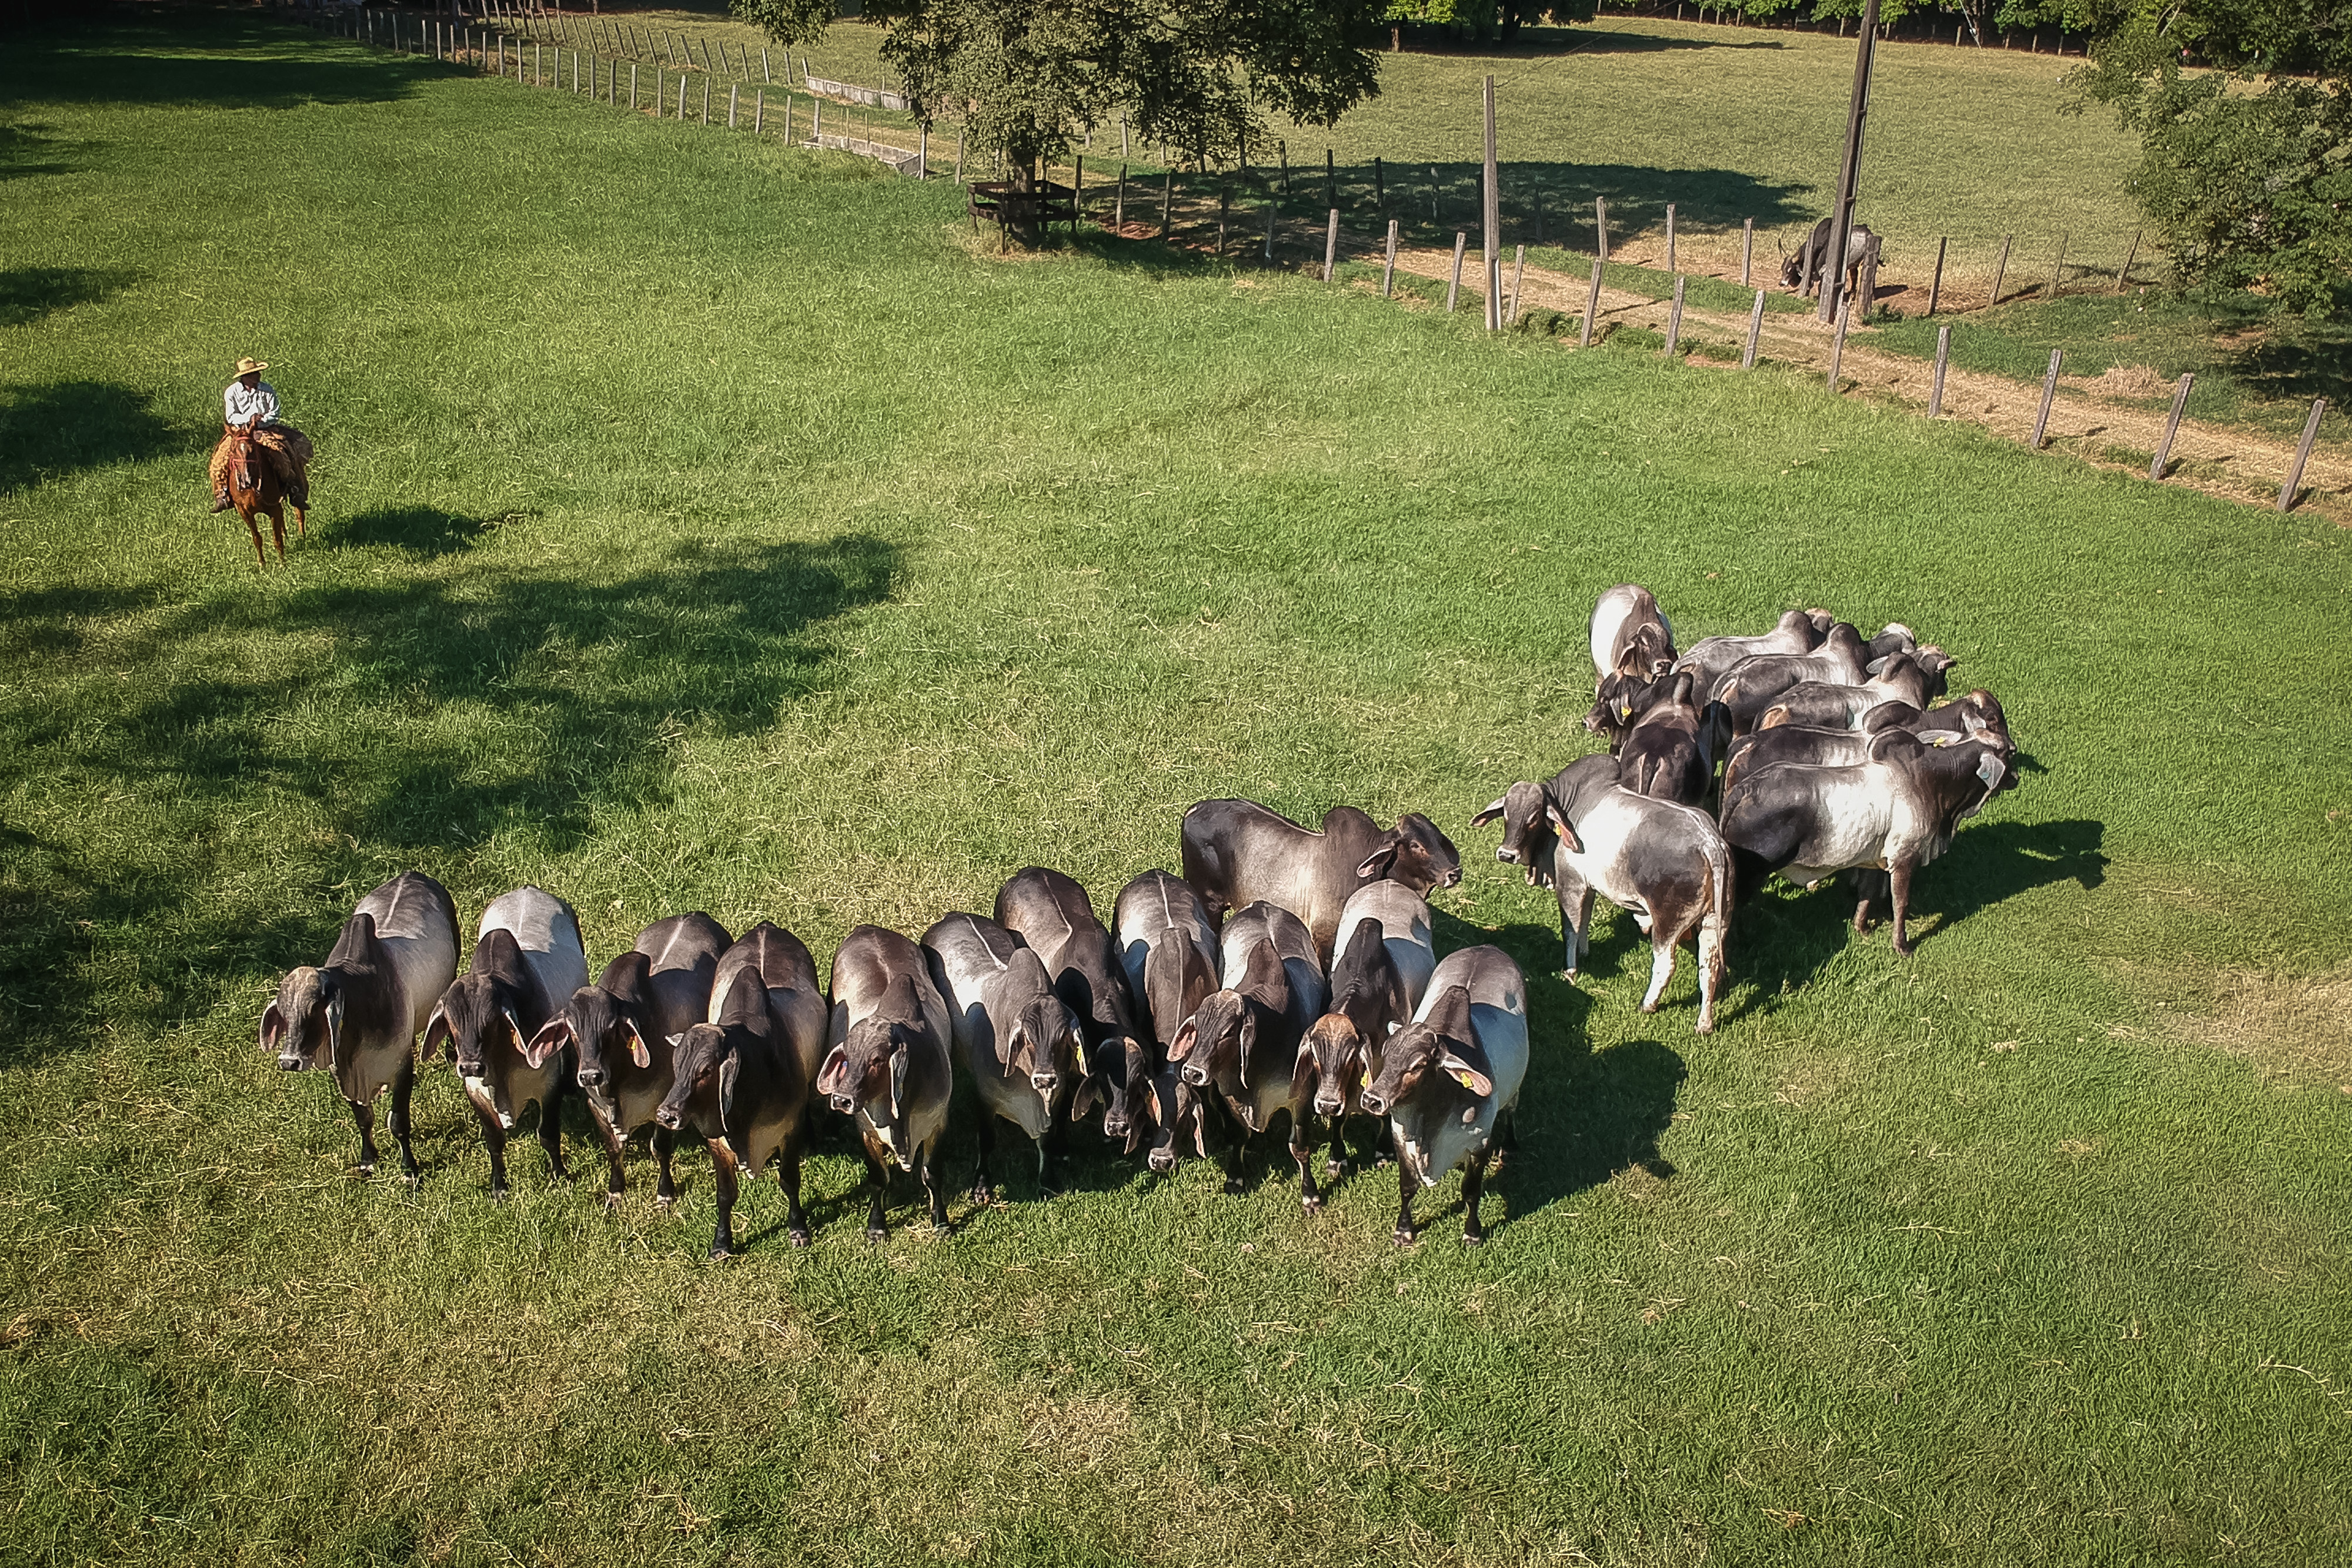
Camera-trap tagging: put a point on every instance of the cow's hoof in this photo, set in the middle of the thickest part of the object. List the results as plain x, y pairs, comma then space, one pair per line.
497, 1195
1649, 1008
366, 1168
1902, 949
1311, 1205
612, 1201
1235, 1186
665, 1199
1334, 1169
721, 1254
982, 1195
800, 1235
877, 1233
1403, 1236
1706, 1027
1474, 1238
415, 1180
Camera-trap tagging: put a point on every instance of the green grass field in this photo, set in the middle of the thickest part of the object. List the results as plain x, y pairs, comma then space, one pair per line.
707, 524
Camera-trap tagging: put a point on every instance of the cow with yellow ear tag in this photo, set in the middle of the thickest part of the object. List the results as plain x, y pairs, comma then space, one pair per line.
1446, 1078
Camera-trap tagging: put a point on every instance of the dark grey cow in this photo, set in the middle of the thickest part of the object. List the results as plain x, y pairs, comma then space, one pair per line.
1237, 852
1052, 913
889, 1065
1976, 717
1243, 1040
619, 1030
1018, 1041
1630, 634
1664, 863
1842, 656
360, 1013
1168, 949
1711, 658
1896, 811
1450, 1075
740, 1087
528, 961
1804, 266
782, 962
1916, 677
1665, 755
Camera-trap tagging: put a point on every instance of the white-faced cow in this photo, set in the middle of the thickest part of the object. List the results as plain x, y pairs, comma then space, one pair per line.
359, 1014
1664, 863
1895, 811
1387, 952
1236, 853
889, 1065
1018, 1041
619, 1030
1448, 1076
527, 963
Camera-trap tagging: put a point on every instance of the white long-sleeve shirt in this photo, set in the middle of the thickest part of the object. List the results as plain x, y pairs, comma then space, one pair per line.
247, 407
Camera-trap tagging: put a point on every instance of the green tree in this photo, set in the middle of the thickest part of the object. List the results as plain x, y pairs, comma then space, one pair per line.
2244, 113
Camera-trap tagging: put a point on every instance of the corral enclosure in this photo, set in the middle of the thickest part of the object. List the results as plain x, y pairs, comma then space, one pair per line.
703, 523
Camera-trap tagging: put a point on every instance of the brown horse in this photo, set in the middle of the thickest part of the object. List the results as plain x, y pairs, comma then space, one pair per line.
256, 490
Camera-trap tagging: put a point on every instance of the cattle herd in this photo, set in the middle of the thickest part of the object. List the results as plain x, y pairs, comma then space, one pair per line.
1287, 969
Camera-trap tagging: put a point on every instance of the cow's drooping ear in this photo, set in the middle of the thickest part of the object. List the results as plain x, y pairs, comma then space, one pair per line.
436, 1032
1186, 1039
639, 1052
898, 1060
1083, 1100
1559, 825
273, 1026
829, 1074
335, 1028
1011, 1050
1078, 1050
514, 1024
552, 1036
1200, 1132
1488, 815
1464, 1074
1151, 1098
1378, 863
1302, 1077
1992, 770
729, 1071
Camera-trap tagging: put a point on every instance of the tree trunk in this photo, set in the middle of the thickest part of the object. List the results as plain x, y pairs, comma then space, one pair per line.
1021, 205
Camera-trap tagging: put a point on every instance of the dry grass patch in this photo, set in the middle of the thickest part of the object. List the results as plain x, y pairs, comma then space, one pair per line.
2291, 1026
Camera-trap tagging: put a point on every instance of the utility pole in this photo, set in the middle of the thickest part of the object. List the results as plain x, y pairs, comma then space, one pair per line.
1493, 215
1849, 177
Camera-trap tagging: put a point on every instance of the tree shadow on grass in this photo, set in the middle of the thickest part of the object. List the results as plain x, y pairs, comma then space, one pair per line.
58, 428
29, 293
421, 531
217, 59
453, 708
25, 152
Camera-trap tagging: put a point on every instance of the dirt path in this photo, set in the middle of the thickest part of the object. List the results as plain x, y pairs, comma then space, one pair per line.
2234, 464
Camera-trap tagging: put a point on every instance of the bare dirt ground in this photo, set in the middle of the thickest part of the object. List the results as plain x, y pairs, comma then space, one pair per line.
2084, 421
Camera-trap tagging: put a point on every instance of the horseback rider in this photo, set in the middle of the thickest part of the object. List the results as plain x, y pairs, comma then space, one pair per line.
250, 404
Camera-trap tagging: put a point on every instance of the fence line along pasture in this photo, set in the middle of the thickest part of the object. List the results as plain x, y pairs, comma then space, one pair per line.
606, 60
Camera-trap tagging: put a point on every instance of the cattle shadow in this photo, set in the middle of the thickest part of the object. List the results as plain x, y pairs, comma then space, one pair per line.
188, 57
29, 293
422, 532
566, 700
53, 429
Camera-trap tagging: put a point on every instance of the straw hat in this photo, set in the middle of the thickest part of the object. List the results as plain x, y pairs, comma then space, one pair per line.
251, 367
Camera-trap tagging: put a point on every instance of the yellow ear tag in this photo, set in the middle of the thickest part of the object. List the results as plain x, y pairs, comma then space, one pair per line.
1463, 1079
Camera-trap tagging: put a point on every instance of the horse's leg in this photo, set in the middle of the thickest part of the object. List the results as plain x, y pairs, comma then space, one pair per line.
260, 558
277, 529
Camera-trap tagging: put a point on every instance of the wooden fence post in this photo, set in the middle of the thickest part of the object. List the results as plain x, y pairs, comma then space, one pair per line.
1592, 306
2049, 391
1330, 180
1600, 226
1519, 277
1453, 289
2171, 425
759, 111
633, 86
1331, 247
765, 74
1755, 327
1837, 342
1943, 357
1935, 288
1387, 273
2057, 268
1282, 150
2000, 268
1273, 209
1675, 320
1167, 200
1670, 238
1118, 205
2123, 272
2302, 455
1492, 315
1746, 252
731, 90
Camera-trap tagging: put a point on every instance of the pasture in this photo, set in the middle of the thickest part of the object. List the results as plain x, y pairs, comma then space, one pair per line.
707, 524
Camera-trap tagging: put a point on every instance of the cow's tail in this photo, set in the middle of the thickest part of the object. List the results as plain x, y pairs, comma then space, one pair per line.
1714, 928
